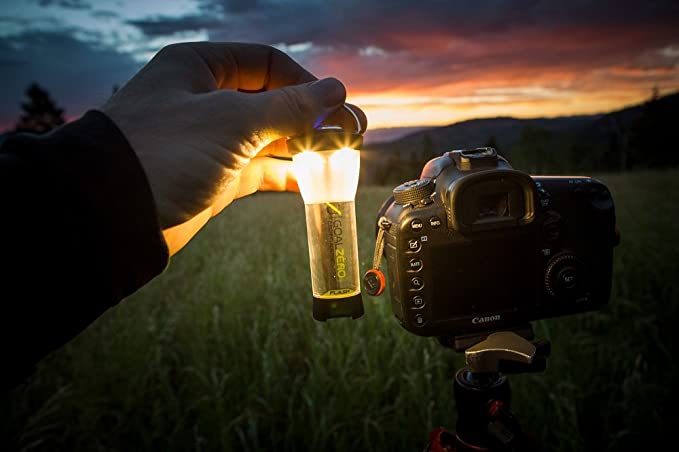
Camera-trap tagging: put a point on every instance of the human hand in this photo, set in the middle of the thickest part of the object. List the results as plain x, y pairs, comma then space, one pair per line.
204, 119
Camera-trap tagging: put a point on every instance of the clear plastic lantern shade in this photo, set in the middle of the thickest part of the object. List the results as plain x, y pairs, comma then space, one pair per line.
328, 180
327, 176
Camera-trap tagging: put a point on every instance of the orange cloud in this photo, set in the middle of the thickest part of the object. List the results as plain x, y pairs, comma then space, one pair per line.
441, 78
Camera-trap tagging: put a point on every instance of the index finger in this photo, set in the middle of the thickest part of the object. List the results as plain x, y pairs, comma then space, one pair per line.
250, 67
257, 67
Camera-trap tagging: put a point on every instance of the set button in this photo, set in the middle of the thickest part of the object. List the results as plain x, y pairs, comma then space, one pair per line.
567, 278
415, 264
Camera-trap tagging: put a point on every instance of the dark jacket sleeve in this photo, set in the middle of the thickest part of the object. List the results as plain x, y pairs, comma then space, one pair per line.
79, 232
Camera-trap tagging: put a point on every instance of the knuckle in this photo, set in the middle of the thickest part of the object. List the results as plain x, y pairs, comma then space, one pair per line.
176, 50
171, 49
276, 53
250, 144
297, 103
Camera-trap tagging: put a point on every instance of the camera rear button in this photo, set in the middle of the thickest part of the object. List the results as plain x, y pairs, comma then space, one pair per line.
416, 224
419, 320
417, 283
415, 264
567, 278
413, 245
434, 222
418, 302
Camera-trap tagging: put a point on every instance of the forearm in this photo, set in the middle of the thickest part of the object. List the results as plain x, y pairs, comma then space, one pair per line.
79, 232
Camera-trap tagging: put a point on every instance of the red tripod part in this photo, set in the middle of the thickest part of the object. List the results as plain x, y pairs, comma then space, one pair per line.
441, 440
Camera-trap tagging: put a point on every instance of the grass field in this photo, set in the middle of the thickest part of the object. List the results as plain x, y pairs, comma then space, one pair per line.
221, 352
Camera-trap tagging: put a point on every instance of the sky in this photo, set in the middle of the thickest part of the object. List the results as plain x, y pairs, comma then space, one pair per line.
406, 63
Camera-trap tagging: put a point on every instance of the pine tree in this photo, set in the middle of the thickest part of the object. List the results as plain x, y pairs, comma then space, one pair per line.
40, 112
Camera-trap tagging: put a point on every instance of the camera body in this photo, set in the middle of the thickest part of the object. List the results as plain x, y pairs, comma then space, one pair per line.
475, 246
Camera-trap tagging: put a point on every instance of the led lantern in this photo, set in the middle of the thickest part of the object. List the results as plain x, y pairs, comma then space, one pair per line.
326, 163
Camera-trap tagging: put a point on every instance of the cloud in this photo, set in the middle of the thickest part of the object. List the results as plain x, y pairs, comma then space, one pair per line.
239, 6
161, 26
68, 4
77, 75
105, 14
371, 51
437, 41
11, 26
384, 23
436, 53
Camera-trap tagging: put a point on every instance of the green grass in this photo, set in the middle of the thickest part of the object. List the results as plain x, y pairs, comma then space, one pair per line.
221, 351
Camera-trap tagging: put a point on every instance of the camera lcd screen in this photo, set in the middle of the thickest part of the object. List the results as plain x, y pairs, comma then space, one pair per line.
484, 276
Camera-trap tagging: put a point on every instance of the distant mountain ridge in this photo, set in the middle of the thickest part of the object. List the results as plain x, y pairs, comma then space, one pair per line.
386, 134
476, 132
384, 160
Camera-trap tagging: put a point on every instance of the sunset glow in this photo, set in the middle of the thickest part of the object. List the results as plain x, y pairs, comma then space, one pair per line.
404, 63
404, 109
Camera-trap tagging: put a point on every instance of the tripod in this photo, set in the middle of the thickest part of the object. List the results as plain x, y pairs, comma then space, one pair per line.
483, 395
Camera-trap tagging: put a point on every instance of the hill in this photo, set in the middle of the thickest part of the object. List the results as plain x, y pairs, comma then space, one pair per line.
386, 134
475, 132
618, 140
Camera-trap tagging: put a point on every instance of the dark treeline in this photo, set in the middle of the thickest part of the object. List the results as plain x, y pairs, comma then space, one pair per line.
644, 136
612, 143
40, 114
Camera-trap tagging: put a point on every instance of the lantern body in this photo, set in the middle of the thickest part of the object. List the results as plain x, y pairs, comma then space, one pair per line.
328, 179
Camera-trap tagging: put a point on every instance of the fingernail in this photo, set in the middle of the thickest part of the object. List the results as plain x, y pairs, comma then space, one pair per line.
330, 90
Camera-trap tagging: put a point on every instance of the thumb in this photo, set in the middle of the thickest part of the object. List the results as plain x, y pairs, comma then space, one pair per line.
292, 110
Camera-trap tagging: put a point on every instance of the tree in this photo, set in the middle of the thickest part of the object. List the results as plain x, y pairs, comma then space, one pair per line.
428, 149
533, 152
653, 135
40, 112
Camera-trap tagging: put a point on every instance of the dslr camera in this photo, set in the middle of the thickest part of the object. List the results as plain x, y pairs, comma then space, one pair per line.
474, 246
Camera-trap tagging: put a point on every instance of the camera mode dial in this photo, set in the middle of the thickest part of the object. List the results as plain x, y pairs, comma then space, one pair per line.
564, 276
413, 191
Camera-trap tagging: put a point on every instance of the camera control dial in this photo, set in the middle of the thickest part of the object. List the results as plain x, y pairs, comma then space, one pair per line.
414, 191
564, 276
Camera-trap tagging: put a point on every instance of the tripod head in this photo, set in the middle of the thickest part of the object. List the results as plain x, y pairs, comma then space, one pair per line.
483, 395
505, 352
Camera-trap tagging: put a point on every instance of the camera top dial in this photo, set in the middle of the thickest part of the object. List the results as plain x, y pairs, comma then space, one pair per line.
414, 191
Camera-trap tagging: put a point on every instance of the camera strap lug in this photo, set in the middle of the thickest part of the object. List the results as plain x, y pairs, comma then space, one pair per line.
374, 280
